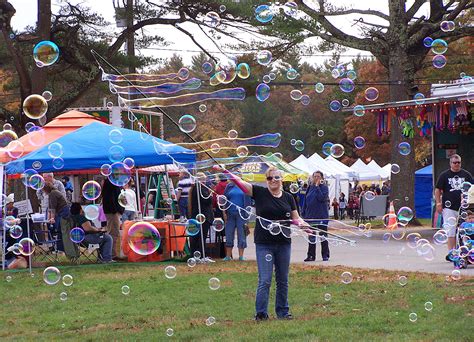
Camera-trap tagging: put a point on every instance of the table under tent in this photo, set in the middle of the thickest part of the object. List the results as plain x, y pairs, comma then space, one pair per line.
88, 148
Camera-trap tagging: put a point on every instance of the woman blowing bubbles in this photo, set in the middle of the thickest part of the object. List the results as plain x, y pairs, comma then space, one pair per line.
273, 243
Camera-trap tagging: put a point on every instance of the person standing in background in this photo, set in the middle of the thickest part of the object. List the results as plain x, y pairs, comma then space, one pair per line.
68, 188
448, 197
130, 209
113, 211
184, 184
43, 197
342, 205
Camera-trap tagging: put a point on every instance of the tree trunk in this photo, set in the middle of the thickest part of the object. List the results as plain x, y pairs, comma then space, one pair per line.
401, 74
39, 75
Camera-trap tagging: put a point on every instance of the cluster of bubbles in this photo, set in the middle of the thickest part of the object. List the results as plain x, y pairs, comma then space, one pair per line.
297, 144
265, 13
439, 46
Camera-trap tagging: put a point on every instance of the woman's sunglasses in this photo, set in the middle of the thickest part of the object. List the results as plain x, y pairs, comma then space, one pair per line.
270, 178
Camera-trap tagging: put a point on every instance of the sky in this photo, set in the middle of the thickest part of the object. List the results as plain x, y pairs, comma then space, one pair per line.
27, 12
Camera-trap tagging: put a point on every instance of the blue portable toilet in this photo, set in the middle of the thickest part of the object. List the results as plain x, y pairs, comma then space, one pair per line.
424, 191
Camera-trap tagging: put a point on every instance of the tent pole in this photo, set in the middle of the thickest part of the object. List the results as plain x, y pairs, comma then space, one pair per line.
28, 225
137, 189
198, 193
4, 235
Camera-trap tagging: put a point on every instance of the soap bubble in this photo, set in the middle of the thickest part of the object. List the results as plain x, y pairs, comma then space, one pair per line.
320, 133
290, 8
359, 110
63, 296
268, 257
27, 246
440, 237
91, 212
291, 74
214, 283
351, 74
170, 272
170, 331
327, 297
447, 204
242, 151
197, 255
294, 188
126, 290
439, 61
369, 195
36, 182
327, 148
105, 170
116, 153
119, 174
359, 142
262, 92
263, 13
427, 42
305, 100
8, 278
212, 19
299, 145
264, 57
45, 53
207, 67
346, 85
7, 136
91, 190
413, 317
404, 148
143, 238
201, 218
187, 123
215, 148
210, 321
345, 102
428, 306
243, 70
402, 280
77, 235
115, 136
16, 232
192, 227
405, 215
335, 105
419, 98
296, 94
439, 46
129, 163
183, 73
232, 134
319, 87
191, 262
47, 95
51, 275
371, 94
35, 106
58, 163
395, 168
218, 224
456, 274
67, 280
346, 277
337, 150
447, 26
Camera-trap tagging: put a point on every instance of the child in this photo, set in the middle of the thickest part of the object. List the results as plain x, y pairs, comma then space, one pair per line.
335, 205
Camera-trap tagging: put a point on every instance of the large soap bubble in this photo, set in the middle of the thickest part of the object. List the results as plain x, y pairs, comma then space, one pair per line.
51, 275
143, 238
119, 174
45, 53
262, 92
264, 57
35, 106
439, 46
187, 123
371, 94
212, 19
264, 13
91, 190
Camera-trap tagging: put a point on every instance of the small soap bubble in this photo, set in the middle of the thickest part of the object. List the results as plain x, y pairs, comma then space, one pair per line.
51, 275
327, 297
191, 262
170, 272
214, 283
346, 277
413, 317
268, 257
402, 280
125, 290
210, 321
169, 332
428, 306
67, 280
63, 296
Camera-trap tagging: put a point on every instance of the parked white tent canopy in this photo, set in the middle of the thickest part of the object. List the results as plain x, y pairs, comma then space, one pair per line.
302, 163
337, 165
365, 173
377, 168
326, 168
388, 170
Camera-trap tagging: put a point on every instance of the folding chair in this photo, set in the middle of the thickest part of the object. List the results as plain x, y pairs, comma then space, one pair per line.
89, 252
46, 246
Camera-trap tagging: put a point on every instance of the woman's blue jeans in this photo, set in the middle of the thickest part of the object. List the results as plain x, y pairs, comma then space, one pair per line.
268, 256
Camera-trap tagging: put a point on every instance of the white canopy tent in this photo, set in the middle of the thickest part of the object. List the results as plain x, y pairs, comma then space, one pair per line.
328, 169
377, 168
340, 167
365, 173
388, 170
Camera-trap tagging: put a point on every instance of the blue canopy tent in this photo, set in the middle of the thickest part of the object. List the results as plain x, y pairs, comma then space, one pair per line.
89, 148
424, 191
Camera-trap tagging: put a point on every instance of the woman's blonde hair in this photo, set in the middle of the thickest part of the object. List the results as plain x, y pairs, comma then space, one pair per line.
271, 169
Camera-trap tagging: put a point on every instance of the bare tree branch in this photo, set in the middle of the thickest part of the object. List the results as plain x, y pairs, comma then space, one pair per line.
413, 9
357, 11
195, 42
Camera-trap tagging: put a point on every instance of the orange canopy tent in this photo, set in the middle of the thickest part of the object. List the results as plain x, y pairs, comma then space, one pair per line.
61, 125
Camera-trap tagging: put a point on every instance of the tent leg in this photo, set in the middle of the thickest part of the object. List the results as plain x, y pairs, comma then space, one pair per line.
28, 227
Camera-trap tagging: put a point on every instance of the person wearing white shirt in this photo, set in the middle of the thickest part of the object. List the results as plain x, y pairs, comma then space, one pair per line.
131, 206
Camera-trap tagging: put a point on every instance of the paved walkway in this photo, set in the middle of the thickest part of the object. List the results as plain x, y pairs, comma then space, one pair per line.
373, 253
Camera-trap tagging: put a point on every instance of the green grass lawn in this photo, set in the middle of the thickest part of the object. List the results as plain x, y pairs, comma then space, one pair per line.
373, 307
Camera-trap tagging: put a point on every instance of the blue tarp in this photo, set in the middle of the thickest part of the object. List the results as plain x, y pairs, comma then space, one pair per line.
424, 191
88, 148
